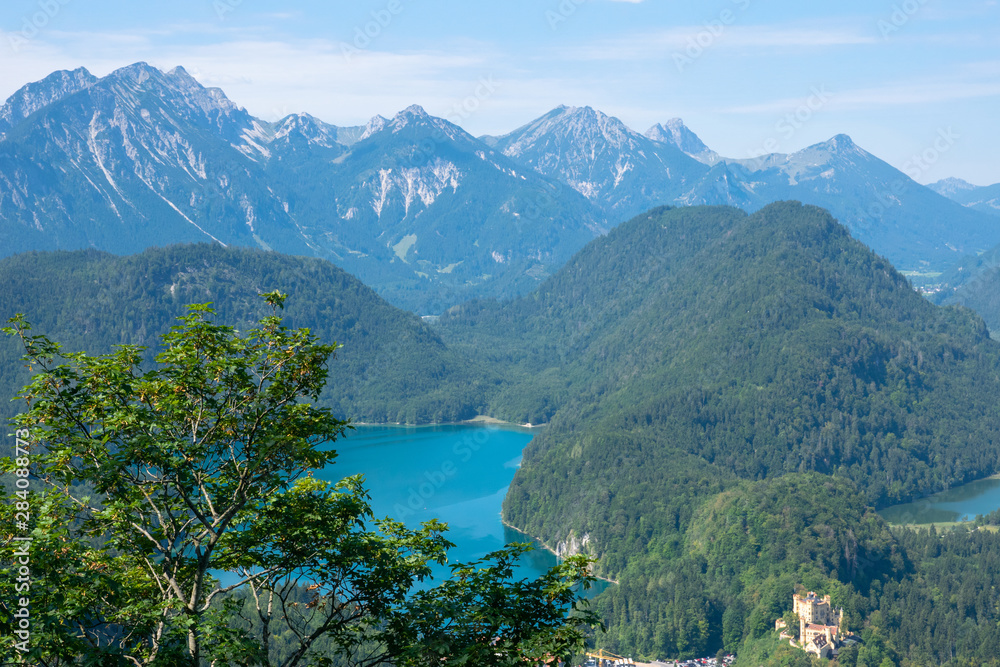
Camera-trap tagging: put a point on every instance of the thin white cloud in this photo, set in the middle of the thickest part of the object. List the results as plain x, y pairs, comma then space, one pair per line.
654, 45
922, 93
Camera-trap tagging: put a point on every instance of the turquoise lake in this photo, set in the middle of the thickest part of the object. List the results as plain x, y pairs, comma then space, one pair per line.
962, 503
458, 474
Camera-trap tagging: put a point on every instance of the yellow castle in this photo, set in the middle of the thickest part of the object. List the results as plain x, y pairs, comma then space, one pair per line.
820, 625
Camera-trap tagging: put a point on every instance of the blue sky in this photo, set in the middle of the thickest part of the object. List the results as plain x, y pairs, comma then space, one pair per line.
744, 74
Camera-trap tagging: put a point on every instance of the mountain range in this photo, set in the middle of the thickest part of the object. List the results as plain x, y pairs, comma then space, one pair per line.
981, 198
413, 205
625, 173
416, 207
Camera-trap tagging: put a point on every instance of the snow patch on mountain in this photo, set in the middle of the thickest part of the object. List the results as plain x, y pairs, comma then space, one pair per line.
40, 94
384, 186
424, 183
254, 139
621, 170
375, 125
248, 212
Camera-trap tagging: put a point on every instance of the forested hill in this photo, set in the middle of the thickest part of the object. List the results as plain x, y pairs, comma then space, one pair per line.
982, 294
760, 345
975, 282
692, 351
391, 367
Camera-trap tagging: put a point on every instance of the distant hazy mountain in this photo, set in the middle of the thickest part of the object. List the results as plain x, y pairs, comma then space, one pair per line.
429, 214
419, 209
416, 207
911, 225
676, 133
597, 155
139, 158
916, 228
974, 282
981, 198
982, 294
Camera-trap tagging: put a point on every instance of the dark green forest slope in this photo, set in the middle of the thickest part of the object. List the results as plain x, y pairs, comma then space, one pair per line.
759, 345
768, 358
391, 368
981, 294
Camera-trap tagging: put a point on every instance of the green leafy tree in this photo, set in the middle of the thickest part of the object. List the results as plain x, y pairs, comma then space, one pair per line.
481, 617
153, 483
791, 624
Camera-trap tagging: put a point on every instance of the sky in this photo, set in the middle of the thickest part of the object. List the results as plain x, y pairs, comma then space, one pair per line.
916, 82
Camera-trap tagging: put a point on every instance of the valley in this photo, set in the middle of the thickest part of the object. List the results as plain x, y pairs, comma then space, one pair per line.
748, 370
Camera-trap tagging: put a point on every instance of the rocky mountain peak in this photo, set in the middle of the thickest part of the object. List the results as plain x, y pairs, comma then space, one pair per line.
842, 143
138, 72
39, 94
414, 110
675, 133
374, 126
951, 186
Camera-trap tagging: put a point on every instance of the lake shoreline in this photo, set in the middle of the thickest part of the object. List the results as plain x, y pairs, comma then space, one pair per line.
944, 507
481, 422
478, 420
548, 548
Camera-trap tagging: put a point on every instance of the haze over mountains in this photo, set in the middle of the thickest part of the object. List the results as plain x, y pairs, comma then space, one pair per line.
981, 198
413, 205
425, 213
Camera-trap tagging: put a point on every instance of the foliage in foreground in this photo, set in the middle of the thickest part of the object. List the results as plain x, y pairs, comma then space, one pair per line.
150, 483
